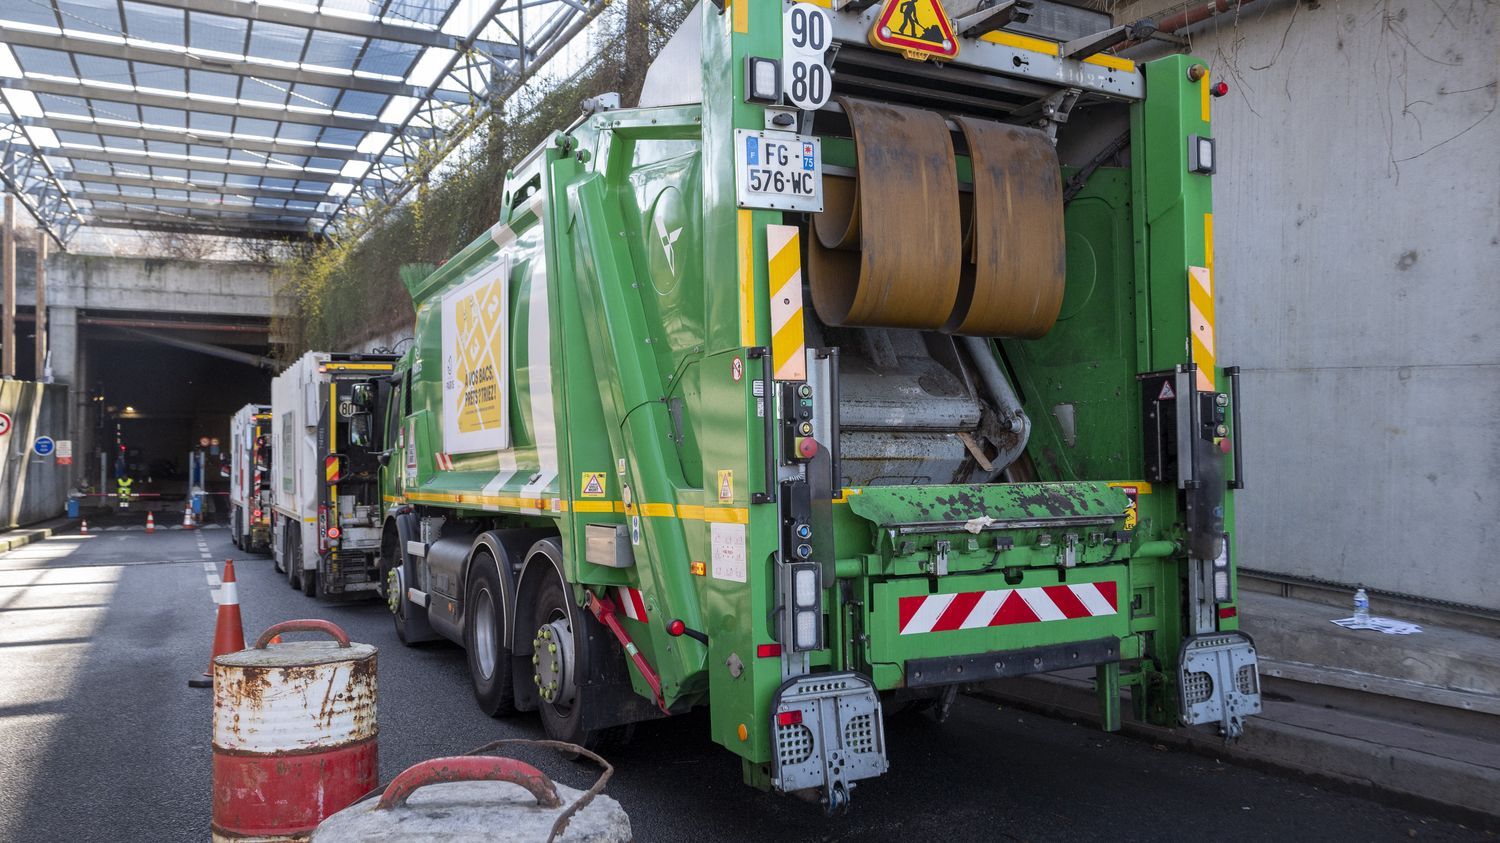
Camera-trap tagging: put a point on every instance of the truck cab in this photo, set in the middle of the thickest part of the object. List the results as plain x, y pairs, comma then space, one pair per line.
325, 471
250, 478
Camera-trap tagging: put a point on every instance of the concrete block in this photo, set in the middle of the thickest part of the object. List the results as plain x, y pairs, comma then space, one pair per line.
476, 811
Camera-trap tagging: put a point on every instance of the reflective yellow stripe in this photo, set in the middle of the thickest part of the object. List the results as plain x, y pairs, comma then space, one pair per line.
784, 263
741, 16
1203, 90
726, 515
687, 511
1113, 62
747, 275
1021, 42
1200, 323
1050, 48
359, 367
1208, 243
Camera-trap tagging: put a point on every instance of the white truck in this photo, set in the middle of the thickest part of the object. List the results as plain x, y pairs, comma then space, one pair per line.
325, 471
250, 478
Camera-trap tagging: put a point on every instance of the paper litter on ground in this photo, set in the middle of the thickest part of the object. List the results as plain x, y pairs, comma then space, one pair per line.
1386, 625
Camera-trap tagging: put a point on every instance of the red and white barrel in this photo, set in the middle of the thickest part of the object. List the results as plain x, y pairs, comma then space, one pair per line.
294, 738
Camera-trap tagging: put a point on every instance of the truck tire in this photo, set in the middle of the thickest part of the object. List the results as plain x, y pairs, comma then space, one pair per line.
293, 554
555, 621
234, 527
484, 639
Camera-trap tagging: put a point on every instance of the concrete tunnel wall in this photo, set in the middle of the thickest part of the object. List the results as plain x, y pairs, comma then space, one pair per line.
1357, 233
32, 487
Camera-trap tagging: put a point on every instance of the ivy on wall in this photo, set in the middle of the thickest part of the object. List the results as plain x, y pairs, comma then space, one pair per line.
341, 294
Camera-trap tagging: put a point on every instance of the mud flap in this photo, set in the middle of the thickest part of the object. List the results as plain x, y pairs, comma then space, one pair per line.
827, 734
1219, 681
417, 627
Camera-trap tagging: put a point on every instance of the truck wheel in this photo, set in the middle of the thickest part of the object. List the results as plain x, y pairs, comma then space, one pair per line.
234, 527
293, 563
555, 656
484, 639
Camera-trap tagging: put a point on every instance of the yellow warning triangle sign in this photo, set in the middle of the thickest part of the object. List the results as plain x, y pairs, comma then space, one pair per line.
593, 484
917, 29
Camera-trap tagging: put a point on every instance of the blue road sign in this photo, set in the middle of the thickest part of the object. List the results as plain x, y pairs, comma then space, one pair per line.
43, 445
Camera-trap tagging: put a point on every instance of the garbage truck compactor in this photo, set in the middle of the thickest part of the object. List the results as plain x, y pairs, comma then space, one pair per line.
852, 367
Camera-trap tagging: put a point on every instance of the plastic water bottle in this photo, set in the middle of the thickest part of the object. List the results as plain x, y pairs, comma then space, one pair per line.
1361, 607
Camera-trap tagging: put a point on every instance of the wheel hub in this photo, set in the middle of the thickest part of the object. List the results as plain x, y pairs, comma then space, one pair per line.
552, 661
393, 590
484, 634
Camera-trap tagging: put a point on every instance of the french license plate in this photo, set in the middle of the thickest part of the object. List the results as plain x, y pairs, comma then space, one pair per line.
780, 171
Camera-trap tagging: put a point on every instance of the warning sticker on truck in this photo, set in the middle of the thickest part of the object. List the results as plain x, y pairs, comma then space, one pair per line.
727, 546
592, 484
475, 368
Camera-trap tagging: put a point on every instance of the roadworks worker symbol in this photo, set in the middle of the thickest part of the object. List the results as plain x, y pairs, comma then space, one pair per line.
917, 29
593, 484
726, 485
1166, 392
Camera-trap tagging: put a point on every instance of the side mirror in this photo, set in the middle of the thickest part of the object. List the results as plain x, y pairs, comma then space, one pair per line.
359, 429
362, 395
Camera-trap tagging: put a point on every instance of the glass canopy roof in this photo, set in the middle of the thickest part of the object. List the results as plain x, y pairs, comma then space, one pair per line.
238, 117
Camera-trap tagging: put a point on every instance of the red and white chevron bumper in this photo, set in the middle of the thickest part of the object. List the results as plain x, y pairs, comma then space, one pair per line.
444, 461
630, 602
1005, 606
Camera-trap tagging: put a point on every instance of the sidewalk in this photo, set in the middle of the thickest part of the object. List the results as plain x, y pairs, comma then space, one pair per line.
1411, 720
22, 536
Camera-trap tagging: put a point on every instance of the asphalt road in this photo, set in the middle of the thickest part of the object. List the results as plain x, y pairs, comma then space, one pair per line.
101, 739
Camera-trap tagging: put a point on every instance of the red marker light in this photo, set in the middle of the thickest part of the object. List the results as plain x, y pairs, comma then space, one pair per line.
1224, 445
768, 651
334, 532
788, 718
675, 628
807, 447
1227, 612
257, 513
1219, 89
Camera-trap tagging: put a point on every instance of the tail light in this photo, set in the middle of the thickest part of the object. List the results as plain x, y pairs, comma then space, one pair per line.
334, 533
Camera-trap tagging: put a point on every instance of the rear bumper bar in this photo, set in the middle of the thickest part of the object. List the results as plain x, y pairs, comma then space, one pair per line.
952, 670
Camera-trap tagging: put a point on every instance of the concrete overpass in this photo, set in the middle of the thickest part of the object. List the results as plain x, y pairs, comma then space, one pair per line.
157, 353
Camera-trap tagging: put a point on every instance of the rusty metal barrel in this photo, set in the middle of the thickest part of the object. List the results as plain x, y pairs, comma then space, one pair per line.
294, 736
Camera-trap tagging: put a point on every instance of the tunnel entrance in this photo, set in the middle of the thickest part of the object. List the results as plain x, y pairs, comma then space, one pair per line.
157, 398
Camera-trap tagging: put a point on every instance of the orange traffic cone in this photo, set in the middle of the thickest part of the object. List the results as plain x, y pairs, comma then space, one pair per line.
187, 518
150, 523
229, 630
84, 527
